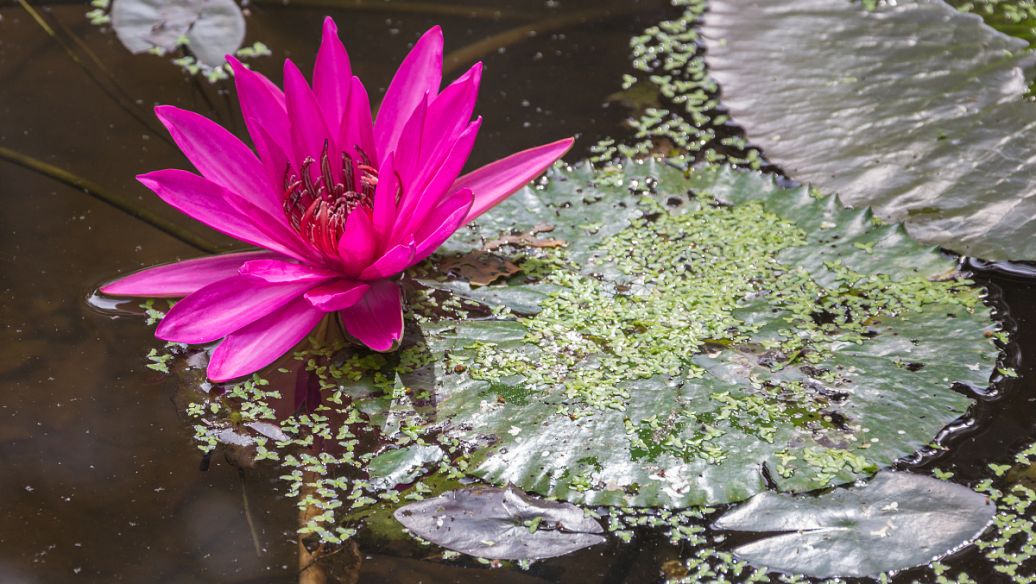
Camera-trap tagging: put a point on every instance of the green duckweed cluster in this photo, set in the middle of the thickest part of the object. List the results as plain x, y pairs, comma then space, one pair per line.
676, 103
1011, 543
683, 272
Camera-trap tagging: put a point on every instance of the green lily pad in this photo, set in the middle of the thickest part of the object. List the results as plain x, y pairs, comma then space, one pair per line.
701, 336
917, 110
403, 465
896, 521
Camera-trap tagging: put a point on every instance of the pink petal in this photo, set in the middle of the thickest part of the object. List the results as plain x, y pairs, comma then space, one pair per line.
275, 157
182, 278
332, 75
392, 262
265, 115
309, 131
224, 211
417, 207
337, 295
377, 319
278, 271
448, 115
220, 157
358, 244
224, 307
418, 75
496, 181
255, 346
408, 154
356, 132
442, 223
385, 198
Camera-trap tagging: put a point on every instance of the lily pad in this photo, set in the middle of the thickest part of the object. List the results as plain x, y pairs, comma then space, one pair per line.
701, 336
402, 466
896, 521
503, 524
915, 109
211, 28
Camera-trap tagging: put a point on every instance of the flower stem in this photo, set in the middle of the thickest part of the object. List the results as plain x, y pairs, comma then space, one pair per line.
95, 191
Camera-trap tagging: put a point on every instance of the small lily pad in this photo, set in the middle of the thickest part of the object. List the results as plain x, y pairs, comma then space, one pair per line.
402, 466
502, 524
898, 520
211, 28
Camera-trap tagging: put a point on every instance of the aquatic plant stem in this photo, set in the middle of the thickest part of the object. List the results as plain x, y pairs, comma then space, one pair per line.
310, 572
248, 514
115, 92
430, 8
512, 36
99, 193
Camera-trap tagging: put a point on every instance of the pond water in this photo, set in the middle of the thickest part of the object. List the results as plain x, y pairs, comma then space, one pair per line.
100, 480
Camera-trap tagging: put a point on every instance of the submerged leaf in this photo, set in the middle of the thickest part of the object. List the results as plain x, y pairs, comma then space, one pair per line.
480, 268
898, 520
917, 110
504, 524
210, 28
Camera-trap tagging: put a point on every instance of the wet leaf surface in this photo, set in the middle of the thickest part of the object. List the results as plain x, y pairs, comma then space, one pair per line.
897, 520
402, 466
612, 389
211, 28
917, 110
504, 524
479, 268
528, 239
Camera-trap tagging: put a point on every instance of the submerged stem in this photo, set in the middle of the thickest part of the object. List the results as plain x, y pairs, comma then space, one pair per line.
248, 514
310, 572
490, 44
97, 192
401, 7
115, 91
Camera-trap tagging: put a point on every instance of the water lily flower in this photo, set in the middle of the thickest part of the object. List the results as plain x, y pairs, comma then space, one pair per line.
340, 203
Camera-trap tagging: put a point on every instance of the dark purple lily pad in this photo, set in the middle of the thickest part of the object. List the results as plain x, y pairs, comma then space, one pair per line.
502, 524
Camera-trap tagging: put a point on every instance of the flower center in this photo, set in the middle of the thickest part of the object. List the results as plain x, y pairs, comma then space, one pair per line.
317, 201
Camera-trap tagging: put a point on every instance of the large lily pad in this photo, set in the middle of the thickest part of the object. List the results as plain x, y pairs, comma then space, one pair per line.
917, 110
700, 337
503, 524
896, 521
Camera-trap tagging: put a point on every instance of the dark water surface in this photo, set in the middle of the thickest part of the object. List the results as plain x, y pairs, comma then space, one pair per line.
100, 480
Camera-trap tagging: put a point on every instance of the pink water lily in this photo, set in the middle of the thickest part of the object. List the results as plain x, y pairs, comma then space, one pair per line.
340, 203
